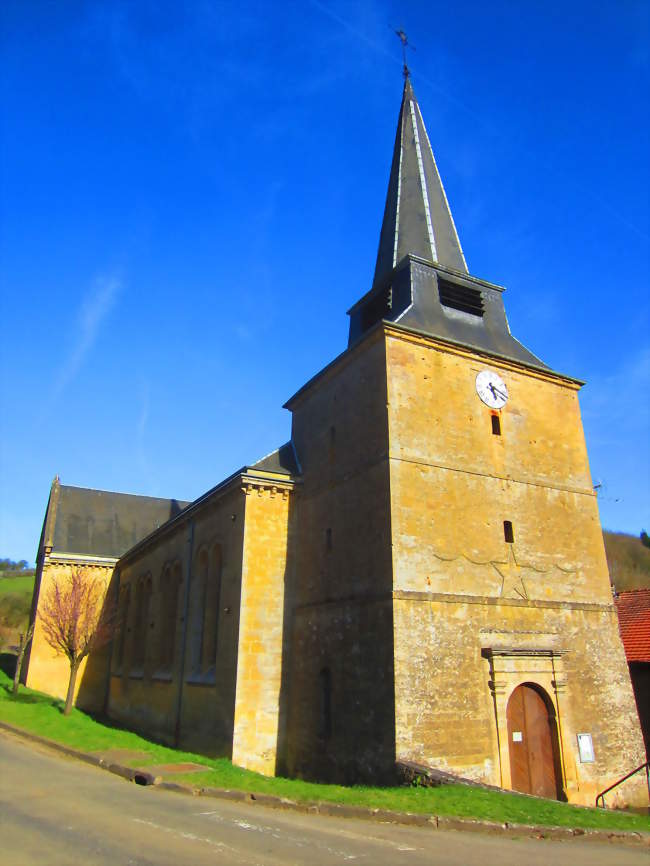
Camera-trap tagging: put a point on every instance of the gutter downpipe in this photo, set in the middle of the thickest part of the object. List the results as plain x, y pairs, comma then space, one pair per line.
186, 605
111, 646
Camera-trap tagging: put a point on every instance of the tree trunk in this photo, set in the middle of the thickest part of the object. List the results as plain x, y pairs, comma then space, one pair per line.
74, 667
22, 646
19, 661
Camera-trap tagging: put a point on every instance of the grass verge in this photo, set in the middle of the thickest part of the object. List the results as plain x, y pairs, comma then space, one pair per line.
41, 714
22, 584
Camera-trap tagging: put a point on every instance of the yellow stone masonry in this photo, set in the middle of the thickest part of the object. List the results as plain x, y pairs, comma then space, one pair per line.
48, 671
261, 627
465, 598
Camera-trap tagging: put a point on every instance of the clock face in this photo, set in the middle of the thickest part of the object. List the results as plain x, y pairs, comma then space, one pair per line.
491, 389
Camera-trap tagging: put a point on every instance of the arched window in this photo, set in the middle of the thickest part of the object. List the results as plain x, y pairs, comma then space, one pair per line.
136, 627
198, 585
146, 618
169, 586
177, 579
141, 624
165, 580
211, 611
121, 626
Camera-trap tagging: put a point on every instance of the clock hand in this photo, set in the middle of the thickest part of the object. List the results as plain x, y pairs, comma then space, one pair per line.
498, 391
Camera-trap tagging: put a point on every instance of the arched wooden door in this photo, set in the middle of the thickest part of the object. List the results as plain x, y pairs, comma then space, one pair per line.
532, 742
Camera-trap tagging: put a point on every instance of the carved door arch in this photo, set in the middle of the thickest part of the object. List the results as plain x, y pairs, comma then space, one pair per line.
533, 742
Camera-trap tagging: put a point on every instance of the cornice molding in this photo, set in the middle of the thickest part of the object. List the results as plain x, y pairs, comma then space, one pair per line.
52, 558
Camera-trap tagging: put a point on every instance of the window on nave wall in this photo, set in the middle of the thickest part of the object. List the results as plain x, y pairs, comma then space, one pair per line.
141, 623
198, 587
121, 627
205, 591
170, 582
211, 617
135, 627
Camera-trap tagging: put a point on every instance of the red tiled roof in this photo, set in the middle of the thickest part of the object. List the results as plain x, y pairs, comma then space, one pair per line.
634, 623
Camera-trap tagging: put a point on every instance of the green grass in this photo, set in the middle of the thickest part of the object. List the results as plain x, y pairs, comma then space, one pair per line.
16, 583
15, 599
41, 714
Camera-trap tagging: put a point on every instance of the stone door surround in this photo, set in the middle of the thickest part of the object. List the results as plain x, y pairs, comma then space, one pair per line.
511, 667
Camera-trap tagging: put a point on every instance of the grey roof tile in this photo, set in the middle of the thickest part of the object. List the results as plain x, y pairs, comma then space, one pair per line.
100, 523
417, 219
282, 459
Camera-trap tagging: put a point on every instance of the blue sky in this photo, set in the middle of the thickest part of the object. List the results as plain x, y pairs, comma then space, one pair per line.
191, 200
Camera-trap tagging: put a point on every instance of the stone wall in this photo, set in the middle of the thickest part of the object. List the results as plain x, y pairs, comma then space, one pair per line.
181, 697
341, 720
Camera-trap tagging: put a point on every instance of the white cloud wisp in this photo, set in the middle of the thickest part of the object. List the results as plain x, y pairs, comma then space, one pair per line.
94, 309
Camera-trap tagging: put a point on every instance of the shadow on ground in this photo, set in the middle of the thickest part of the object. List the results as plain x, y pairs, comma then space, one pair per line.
25, 697
8, 664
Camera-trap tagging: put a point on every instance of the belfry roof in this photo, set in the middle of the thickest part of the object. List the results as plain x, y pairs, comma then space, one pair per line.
417, 218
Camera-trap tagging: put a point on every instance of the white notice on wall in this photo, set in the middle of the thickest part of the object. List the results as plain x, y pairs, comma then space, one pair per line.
517, 737
586, 749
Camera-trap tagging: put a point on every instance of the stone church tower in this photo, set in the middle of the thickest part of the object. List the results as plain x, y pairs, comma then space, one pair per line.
452, 604
417, 576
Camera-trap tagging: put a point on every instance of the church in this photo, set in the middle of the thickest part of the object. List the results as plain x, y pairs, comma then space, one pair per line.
418, 575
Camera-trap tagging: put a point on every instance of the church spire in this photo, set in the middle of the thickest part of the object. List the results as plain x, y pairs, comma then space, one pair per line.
417, 218
421, 280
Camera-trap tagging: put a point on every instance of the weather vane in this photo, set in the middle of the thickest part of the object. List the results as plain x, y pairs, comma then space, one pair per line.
403, 38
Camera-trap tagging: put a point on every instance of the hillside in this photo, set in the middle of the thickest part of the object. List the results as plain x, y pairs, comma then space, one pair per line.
628, 560
16, 589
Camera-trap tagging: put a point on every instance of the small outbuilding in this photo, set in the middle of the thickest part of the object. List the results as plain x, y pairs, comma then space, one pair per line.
634, 622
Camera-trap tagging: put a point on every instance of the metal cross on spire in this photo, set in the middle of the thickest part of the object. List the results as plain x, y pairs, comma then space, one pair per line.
403, 38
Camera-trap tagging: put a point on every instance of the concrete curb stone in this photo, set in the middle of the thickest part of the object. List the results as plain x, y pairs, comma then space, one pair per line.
224, 794
178, 788
271, 800
441, 822
119, 770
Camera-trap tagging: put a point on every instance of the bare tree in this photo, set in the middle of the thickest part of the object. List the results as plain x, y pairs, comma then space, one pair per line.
76, 620
25, 638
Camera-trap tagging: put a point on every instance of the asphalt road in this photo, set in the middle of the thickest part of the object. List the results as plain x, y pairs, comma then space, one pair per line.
60, 812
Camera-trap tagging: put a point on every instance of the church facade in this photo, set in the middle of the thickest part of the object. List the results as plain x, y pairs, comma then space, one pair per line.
418, 575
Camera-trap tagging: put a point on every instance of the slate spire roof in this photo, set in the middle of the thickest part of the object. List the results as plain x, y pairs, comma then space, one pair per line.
421, 281
417, 218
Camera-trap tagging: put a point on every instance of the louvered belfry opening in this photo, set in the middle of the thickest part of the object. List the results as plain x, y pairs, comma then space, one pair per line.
459, 297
